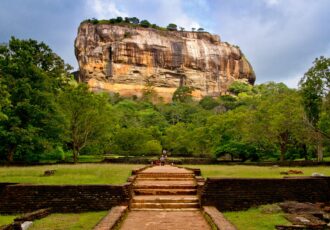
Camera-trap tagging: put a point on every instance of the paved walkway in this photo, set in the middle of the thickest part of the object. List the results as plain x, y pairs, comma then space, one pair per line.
165, 220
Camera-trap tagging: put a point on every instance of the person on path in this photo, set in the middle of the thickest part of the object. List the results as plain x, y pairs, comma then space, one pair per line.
162, 160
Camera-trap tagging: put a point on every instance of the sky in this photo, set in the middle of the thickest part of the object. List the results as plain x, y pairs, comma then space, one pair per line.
280, 38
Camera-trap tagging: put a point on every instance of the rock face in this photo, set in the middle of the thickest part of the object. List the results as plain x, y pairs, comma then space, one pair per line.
126, 60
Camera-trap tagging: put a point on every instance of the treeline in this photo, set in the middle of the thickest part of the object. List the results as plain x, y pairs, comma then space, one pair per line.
45, 114
135, 22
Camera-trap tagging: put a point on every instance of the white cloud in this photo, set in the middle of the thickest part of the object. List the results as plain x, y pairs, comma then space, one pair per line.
105, 9
280, 42
173, 12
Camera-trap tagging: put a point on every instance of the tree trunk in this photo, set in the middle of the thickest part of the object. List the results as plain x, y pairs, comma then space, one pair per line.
10, 154
319, 152
304, 147
284, 137
319, 147
75, 152
283, 151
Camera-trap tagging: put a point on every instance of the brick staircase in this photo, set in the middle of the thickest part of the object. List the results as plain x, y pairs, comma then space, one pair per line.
165, 188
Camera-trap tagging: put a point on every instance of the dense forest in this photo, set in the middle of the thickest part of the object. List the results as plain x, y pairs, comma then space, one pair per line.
46, 114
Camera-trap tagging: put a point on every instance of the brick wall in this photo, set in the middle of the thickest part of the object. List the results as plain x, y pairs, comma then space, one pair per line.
239, 194
18, 198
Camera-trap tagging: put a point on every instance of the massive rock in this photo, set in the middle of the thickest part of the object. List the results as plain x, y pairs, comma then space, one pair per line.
127, 59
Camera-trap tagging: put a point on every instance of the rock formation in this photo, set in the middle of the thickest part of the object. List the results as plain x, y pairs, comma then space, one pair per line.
124, 59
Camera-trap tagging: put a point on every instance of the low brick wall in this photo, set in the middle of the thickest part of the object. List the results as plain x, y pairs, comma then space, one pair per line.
238, 194
21, 198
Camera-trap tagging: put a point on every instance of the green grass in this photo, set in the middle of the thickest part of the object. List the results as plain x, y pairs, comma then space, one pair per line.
254, 218
256, 171
69, 174
326, 158
4, 219
69, 221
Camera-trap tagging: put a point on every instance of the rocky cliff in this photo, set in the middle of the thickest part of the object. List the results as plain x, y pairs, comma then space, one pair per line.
125, 59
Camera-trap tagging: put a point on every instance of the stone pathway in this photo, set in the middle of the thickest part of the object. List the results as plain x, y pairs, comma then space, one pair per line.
165, 197
165, 220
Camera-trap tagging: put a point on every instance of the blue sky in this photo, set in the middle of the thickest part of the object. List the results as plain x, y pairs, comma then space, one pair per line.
281, 38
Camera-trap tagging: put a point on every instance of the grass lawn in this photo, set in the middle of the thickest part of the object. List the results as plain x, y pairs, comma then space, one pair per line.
69, 221
256, 171
254, 218
69, 174
4, 219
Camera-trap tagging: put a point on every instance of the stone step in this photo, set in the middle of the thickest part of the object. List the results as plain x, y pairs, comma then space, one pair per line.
165, 209
165, 178
165, 199
165, 184
168, 175
166, 191
165, 205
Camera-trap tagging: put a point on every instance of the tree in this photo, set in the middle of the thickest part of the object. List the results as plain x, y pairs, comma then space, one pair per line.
119, 19
172, 27
145, 23
315, 86
87, 118
132, 141
4, 99
193, 29
200, 30
239, 87
134, 20
32, 75
208, 103
181, 29
183, 94
176, 140
282, 117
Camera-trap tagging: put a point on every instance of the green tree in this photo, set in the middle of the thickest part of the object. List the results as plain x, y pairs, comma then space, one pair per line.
176, 140
4, 99
134, 20
87, 118
281, 118
239, 87
172, 27
152, 147
145, 23
208, 103
314, 88
183, 94
131, 141
119, 19
32, 75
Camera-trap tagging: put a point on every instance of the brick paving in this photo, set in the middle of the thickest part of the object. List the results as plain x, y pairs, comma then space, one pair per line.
165, 220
